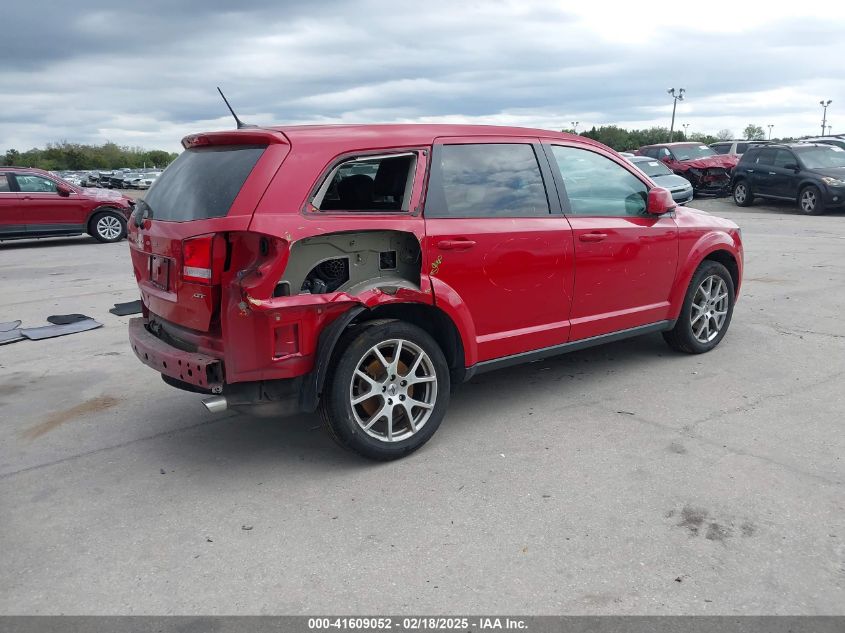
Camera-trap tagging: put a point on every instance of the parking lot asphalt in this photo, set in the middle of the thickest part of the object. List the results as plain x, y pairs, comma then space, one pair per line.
623, 479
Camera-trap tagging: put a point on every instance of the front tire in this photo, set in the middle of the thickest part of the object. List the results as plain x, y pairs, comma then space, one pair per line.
707, 310
810, 200
389, 389
742, 194
108, 226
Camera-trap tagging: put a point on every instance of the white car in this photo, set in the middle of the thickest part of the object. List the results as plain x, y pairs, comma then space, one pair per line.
145, 181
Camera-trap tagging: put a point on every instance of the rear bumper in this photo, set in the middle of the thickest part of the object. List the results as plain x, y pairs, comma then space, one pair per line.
199, 370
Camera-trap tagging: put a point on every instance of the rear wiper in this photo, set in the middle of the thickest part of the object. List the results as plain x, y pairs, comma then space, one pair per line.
147, 213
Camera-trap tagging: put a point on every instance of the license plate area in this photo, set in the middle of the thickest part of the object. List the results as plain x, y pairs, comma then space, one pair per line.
160, 272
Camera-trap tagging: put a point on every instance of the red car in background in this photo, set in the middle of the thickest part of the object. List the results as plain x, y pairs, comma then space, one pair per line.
35, 203
366, 270
709, 172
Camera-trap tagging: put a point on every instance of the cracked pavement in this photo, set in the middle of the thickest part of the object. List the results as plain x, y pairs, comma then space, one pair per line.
624, 479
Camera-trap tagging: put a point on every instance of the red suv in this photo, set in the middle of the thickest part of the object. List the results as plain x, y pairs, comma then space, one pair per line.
366, 270
35, 203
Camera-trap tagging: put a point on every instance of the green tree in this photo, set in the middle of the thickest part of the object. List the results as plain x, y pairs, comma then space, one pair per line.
754, 132
65, 155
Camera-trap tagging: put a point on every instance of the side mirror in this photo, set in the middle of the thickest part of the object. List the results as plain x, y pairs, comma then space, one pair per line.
792, 166
660, 201
63, 190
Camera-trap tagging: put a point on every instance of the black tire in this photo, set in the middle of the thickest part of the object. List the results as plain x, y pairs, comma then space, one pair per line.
340, 416
810, 200
682, 337
107, 226
742, 194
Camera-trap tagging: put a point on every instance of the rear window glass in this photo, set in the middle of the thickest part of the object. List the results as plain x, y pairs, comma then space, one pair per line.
202, 183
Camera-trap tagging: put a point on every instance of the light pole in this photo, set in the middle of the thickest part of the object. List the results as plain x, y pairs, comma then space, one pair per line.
686, 125
824, 105
679, 96
574, 125
770, 130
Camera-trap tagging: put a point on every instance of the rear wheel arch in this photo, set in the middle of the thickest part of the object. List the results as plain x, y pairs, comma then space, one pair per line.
429, 318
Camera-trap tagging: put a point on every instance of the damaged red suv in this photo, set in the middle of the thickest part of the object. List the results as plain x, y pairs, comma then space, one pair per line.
366, 270
709, 172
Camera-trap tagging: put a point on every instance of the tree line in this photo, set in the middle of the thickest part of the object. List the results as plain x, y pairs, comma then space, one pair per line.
76, 156
623, 140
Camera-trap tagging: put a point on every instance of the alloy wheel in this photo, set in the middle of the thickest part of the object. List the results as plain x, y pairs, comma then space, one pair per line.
740, 193
709, 309
109, 227
393, 390
808, 200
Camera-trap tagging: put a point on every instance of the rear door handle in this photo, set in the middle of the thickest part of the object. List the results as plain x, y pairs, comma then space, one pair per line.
592, 237
773, 173
455, 245
750, 171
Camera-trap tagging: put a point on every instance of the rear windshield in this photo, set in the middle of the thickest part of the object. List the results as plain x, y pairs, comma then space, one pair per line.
202, 183
652, 168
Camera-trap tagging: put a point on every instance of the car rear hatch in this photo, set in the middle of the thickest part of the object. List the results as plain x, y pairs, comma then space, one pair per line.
179, 233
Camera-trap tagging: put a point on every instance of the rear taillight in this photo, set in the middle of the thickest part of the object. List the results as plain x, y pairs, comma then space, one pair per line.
197, 259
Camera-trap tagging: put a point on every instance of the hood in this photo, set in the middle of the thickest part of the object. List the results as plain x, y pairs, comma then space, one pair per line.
671, 181
97, 193
830, 172
725, 161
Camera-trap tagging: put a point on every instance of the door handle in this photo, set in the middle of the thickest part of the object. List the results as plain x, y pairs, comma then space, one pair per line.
750, 171
592, 237
455, 245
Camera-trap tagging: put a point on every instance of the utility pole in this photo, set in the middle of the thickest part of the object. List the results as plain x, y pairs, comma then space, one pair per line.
574, 125
679, 96
824, 105
770, 131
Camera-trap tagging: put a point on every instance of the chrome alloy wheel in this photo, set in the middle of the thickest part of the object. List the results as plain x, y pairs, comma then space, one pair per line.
808, 200
740, 193
109, 227
393, 390
709, 309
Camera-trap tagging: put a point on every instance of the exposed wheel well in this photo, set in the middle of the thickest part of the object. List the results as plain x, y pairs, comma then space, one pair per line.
436, 323
727, 260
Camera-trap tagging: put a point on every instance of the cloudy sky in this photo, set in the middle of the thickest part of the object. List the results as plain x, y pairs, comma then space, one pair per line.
144, 74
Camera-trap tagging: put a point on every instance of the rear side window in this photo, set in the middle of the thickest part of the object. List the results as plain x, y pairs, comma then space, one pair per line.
369, 183
741, 148
766, 157
486, 180
202, 183
722, 148
4, 183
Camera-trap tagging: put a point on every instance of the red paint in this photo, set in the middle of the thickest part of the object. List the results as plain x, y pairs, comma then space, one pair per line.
509, 285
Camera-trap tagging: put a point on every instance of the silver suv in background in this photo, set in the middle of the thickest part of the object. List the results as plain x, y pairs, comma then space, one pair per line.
735, 148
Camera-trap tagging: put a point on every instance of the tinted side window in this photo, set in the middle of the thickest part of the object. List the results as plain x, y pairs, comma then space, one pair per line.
35, 184
487, 180
766, 157
784, 157
741, 148
597, 186
4, 183
721, 149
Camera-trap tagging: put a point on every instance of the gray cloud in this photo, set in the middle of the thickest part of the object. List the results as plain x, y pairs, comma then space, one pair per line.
145, 74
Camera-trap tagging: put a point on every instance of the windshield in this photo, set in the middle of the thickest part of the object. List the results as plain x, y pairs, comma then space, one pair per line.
652, 168
691, 152
202, 183
821, 157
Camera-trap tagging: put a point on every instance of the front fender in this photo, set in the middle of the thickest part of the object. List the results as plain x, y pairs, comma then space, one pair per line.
704, 246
